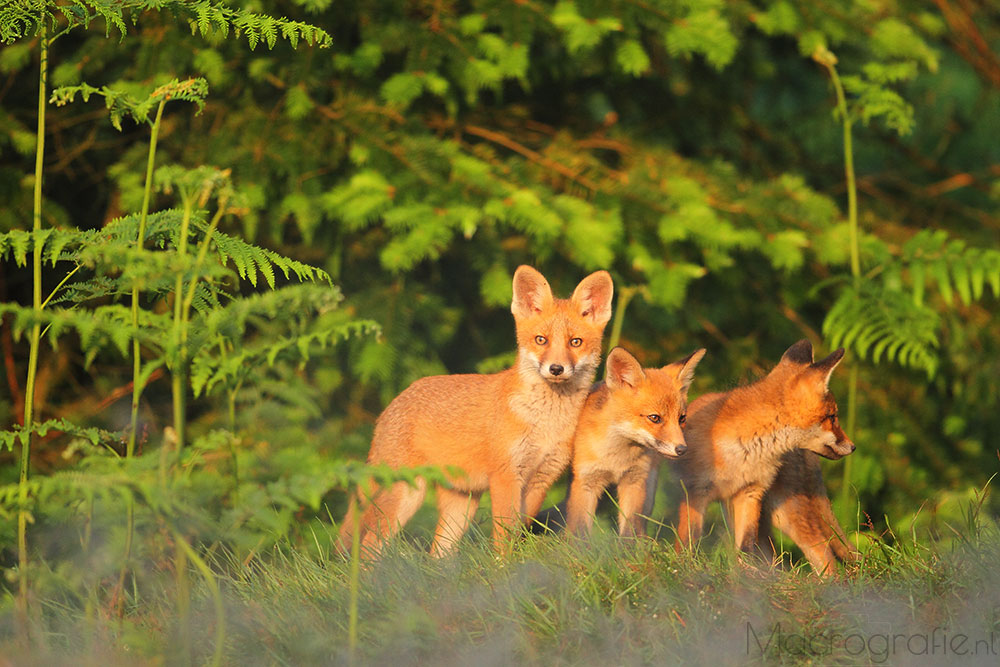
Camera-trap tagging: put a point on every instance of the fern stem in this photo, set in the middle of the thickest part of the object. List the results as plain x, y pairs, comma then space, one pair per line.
136, 351
213, 588
59, 286
180, 330
852, 221
183, 598
202, 252
625, 295
143, 215
852, 190
354, 586
36, 304
852, 402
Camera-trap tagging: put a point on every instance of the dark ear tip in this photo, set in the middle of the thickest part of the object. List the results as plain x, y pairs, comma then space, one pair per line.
694, 356
801, 352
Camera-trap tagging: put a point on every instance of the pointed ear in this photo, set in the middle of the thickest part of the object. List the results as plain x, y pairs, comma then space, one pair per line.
801, 354
532, 293
824, 367
623, 370
686, 369
593, 297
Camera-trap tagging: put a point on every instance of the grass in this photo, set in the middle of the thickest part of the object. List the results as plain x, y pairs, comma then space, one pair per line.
555, 601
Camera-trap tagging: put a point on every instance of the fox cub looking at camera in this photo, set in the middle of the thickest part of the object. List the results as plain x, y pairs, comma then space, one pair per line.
737, 440
628, 423
510, 432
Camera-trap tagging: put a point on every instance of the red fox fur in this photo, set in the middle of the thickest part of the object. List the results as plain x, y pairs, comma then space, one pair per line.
510, 432
737, 442
798, 505
628, 423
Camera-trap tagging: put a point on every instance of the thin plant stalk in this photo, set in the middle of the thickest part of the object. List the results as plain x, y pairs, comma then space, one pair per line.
143, 216
829, 61
137, 385
625, 295
202, 252
35, 337
180, 331
186, 313
183, 597
213, 588
354, 586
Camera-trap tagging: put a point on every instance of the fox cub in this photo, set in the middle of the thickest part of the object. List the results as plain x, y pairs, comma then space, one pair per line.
510, 432
737, 440
628, 423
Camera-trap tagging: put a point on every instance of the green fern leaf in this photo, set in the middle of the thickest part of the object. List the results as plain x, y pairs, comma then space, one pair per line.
877, 321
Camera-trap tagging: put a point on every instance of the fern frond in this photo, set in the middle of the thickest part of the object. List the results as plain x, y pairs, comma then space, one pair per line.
208, 371
249, 259
20, 18
932, 256
876, 321
56, 244
92, 435
98, 328
121, 103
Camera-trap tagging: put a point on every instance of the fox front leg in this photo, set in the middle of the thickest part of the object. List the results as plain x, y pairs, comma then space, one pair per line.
538, 486
507, 501
631, 506
584, 493
746, 517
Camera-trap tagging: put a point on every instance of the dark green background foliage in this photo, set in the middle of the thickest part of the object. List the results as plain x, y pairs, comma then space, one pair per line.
690, 147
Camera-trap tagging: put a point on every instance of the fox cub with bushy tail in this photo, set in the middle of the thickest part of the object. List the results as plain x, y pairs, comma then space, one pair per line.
628, 423
737, 440
510, 432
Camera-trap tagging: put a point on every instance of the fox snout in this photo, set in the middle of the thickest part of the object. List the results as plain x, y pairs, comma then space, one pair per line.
556, 372
670, 450
839, 449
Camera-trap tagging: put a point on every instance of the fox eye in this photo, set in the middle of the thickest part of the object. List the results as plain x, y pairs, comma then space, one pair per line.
682, 419
575, 342
541, 340
832, 417
656, 419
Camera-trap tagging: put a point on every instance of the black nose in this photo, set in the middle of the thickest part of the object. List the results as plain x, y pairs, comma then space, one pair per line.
853, 446
680, 449
556, 369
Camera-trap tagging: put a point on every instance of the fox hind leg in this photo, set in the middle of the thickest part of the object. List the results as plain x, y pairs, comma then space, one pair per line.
690, 520
388, 512
455, 512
